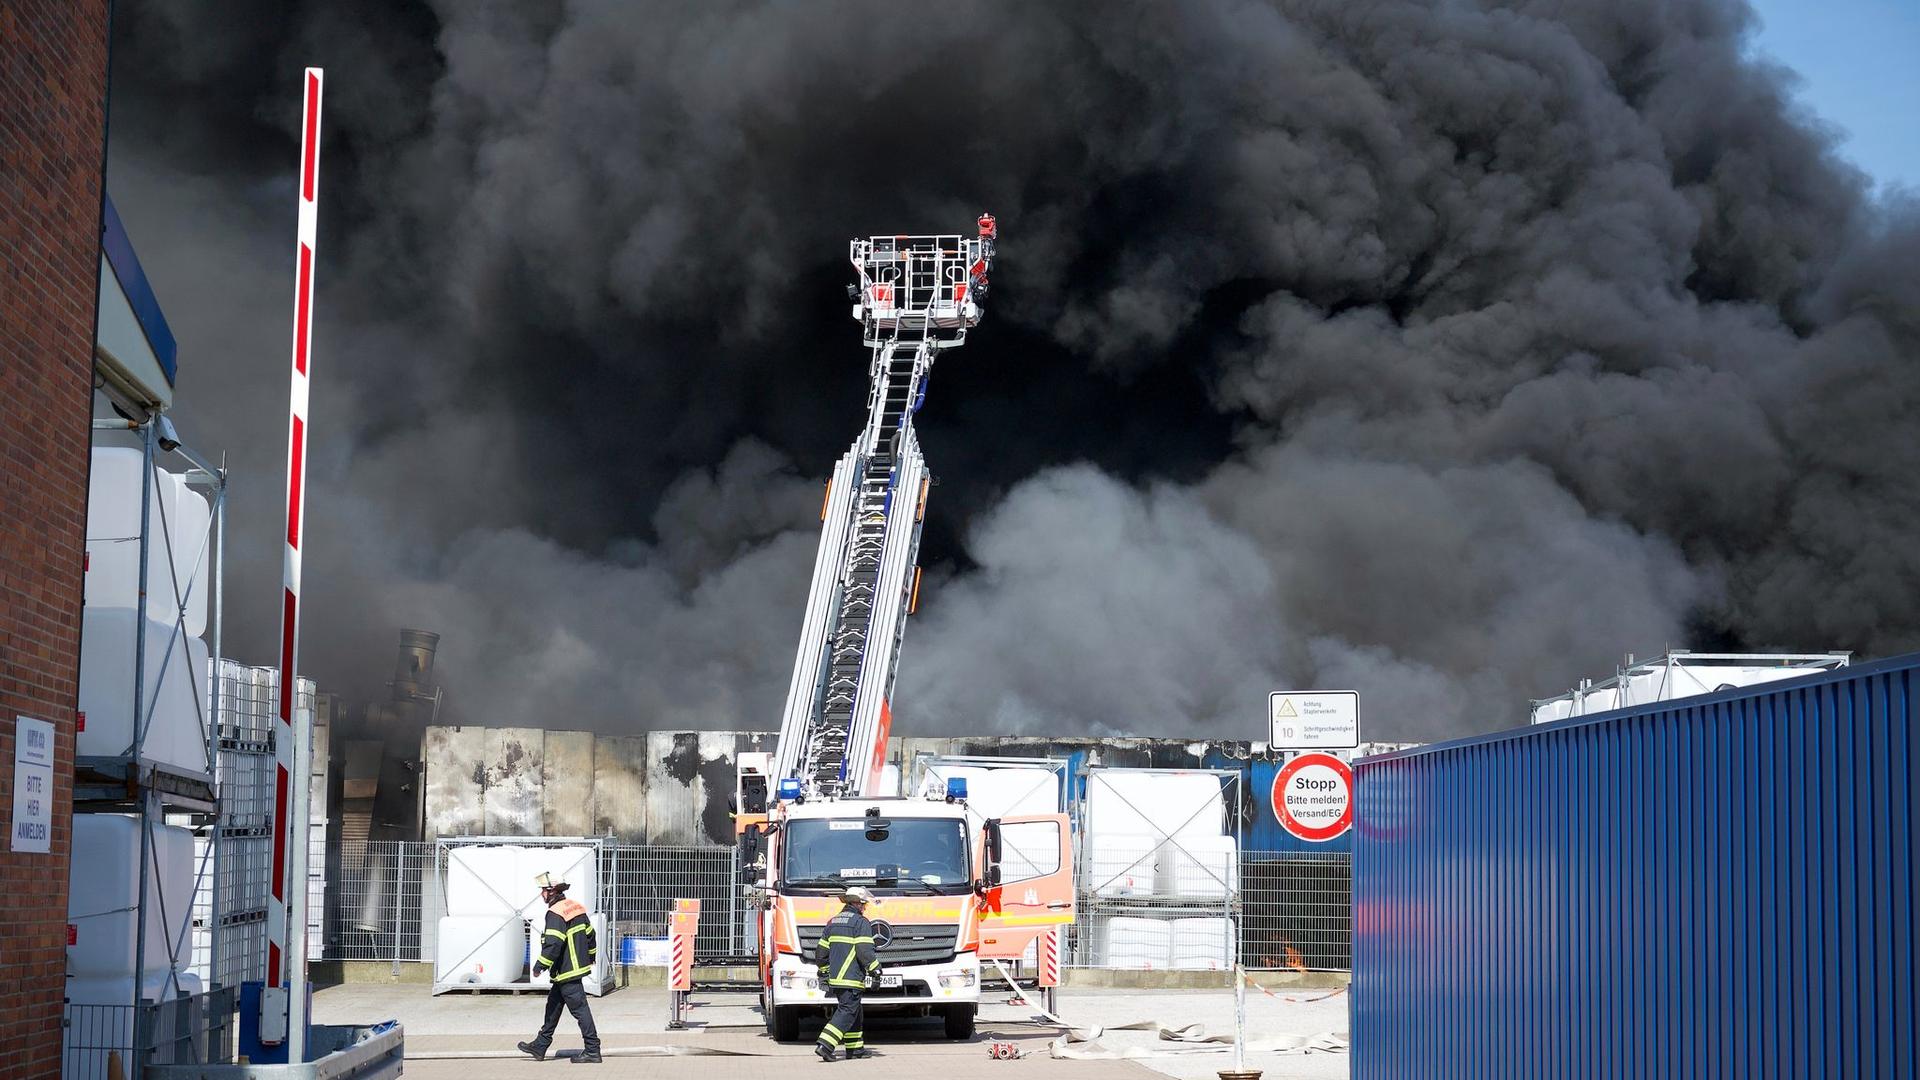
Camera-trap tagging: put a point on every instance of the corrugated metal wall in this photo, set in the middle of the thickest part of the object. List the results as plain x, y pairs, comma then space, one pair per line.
1717, 887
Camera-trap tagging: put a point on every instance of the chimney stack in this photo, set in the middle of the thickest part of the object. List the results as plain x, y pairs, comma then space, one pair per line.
413, 672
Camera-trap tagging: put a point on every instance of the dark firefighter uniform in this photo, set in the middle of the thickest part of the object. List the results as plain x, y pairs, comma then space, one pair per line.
847, 959
567, 952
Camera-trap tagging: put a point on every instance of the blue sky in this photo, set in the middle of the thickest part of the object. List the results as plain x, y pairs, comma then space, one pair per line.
1860, 65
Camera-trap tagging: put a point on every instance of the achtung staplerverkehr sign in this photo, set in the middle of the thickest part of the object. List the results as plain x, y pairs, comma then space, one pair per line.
1314, 719
32, 784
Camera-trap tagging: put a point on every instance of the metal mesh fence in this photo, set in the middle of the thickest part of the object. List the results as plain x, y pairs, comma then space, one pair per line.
383, 903
1296, 910
386, 898
647, 880
102, 1041
1284, 910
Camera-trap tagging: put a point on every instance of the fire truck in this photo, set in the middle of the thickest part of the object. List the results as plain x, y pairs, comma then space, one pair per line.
812, 818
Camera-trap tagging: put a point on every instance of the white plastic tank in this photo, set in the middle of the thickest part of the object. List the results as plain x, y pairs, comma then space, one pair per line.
113, 539
99, 1024
1548, 711
1202, 944
176, 687
480, 950
1597, 699
1198, 868
486, 879
577, 866
104, 892
1133, 943
1121, 864
1170, 802
604, 956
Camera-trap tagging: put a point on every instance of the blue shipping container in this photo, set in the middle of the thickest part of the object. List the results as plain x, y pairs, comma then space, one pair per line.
1717, 886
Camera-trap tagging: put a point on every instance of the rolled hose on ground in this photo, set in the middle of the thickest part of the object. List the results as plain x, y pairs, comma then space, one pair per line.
608, 1051
1078, 1043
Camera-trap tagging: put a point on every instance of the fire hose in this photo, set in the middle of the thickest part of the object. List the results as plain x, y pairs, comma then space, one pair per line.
1082, 1043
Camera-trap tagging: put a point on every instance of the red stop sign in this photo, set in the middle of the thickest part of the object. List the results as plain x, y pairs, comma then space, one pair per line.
1313, 797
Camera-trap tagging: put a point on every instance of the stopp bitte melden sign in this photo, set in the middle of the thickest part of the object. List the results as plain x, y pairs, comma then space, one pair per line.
1313, 797
1314, 719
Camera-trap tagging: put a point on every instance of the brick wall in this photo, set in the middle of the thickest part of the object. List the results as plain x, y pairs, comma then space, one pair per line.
53, 82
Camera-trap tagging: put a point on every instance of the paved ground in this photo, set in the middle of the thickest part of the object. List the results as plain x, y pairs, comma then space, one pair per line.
634, 1019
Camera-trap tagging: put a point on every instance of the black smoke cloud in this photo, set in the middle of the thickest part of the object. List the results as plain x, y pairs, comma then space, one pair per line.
1440, 350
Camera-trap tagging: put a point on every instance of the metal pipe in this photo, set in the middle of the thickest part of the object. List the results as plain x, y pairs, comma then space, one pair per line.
216, 939
199, 462
140, 919
218, 571
1239, 1018
298, 801
140, 614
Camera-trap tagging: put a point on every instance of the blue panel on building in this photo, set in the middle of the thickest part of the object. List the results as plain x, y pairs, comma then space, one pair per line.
118, 248
1716, 886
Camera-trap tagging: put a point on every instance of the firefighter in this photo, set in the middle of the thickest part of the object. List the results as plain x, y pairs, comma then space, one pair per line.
567, 953
848, 963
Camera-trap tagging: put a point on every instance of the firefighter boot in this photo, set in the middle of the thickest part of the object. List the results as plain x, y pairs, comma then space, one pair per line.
587, 1057
536, 1050
825, 1051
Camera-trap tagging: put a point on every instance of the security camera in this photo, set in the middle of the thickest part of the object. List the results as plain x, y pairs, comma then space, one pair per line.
169, 438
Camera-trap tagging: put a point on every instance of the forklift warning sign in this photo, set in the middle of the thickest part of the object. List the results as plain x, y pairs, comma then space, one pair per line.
1313, 797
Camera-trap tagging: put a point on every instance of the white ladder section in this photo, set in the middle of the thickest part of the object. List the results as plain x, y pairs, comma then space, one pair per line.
913, 302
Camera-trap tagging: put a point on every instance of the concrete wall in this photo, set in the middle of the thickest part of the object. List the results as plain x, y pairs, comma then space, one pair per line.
672, 788
53, 84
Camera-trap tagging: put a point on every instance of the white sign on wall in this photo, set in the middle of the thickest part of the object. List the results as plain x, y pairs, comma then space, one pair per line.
32, 784
1314, 720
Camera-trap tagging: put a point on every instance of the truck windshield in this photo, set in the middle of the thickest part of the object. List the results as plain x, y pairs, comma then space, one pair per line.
918, 855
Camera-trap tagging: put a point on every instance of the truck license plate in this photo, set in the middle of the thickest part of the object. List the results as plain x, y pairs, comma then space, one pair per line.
889, 980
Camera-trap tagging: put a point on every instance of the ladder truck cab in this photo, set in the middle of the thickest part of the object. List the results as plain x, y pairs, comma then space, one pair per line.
943, 884
811, 817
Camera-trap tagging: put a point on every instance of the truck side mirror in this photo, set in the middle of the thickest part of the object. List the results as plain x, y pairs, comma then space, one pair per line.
749, 846
990, 832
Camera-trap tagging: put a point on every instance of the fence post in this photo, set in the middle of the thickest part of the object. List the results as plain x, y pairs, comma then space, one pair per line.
399, 869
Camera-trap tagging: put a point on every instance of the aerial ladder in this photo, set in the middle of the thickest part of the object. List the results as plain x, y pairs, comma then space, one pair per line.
811, 816
914, 297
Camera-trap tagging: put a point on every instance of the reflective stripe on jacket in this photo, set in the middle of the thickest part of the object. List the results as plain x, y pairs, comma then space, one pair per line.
568, 948
846, 955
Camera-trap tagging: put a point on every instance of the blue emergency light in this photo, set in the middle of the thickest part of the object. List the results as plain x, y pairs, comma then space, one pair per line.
790, 789
956, 789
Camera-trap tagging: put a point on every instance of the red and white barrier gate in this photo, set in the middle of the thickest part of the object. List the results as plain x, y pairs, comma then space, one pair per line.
283, 1011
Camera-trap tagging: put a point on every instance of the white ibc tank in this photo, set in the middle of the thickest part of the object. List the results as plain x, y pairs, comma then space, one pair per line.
1198, 868
104, 892
113, 539
577, 866
603, 956
1155, 802
480, 950
1597, 699
99, 1023
1137, 944
485, 879
176, 684
1202, 944
1121, 865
